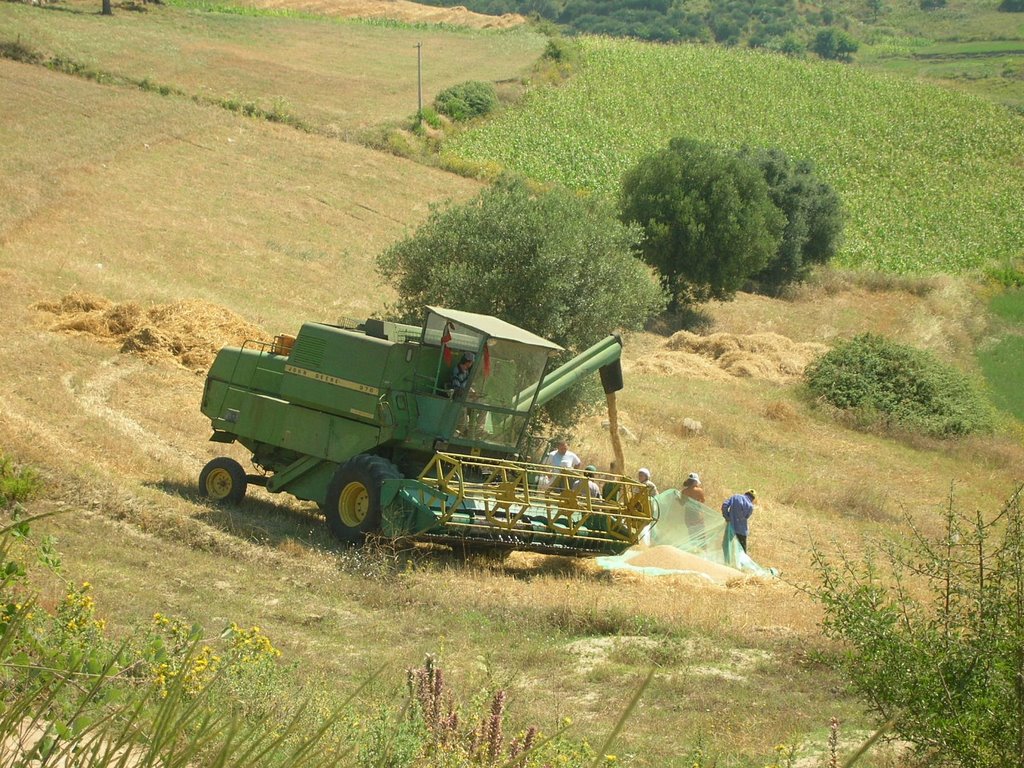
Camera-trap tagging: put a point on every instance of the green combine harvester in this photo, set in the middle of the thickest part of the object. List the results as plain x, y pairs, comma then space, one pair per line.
366, 420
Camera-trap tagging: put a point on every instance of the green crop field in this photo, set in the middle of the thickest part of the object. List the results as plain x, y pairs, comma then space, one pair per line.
927, 175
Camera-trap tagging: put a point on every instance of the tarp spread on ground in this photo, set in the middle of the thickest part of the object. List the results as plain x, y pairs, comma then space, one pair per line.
688, 538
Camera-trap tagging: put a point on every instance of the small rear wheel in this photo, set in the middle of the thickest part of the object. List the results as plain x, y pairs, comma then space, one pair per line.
223, 480
352, 506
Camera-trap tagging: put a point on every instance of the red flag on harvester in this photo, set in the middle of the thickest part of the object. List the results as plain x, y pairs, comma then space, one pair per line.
487, 361
445, 338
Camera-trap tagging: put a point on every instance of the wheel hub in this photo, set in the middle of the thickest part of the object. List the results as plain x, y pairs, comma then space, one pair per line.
353, 504
219, 484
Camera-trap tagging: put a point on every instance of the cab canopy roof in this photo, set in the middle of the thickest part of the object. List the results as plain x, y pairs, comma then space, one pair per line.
487, 325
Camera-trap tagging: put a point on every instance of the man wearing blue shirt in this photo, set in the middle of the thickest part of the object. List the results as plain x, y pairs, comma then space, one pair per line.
737, 510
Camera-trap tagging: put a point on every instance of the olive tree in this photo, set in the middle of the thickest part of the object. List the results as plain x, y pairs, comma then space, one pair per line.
548, 259
708, 217
814, 217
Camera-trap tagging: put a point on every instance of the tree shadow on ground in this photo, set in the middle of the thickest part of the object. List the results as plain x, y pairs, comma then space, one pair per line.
693, 319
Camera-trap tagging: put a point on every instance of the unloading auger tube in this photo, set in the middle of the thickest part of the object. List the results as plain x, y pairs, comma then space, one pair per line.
363, 418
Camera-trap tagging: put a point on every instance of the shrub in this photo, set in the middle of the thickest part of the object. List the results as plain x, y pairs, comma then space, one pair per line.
883, 381
19, 51
814, 217
562, 51
467, 100
1007, 275
429, 116
834, 44
1012, 6
17, 484
935, 639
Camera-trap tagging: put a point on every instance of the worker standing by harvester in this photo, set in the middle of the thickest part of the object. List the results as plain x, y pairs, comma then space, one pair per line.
737, 510
560, 458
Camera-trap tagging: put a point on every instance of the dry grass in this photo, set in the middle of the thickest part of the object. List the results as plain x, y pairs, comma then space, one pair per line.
154, 201
339, 77
401, 10
188, 331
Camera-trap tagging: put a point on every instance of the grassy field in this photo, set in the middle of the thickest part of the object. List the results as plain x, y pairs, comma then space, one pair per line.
968, 45
921, 171
1002, 359
136, 196
339, 76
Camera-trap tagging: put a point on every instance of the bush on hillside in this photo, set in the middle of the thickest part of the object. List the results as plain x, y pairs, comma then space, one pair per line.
465, 101
708, 216
834, 44
1012, 6
888, 382
935, 639
562, 51
814, 218
550, 260
19, 51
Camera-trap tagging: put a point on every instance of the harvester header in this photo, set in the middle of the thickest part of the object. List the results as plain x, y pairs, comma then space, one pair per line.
416, 431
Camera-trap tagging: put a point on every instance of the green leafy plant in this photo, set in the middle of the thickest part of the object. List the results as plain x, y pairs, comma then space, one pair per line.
881, 381
814, 217
935, 633
834, 44
17, 483
430, 117
467, 100
708, 219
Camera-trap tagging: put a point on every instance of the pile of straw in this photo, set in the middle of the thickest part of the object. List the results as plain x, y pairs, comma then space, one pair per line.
188, 331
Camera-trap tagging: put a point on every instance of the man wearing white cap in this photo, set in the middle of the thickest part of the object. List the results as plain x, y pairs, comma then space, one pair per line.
693, 491
644, 476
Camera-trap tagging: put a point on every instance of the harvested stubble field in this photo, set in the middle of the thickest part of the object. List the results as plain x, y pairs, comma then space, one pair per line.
122, 210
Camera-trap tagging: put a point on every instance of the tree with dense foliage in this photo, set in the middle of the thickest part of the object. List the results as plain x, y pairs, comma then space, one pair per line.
834, 44
708, 217
935, 636
550, 260
465, 101
878, 380
814, 217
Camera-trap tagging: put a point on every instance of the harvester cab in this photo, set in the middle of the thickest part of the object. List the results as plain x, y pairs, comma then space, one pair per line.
416, 432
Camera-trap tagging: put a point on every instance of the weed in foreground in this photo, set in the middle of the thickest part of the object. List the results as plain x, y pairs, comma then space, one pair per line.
936, 646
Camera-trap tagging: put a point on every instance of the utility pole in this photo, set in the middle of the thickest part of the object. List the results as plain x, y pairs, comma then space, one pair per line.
419, 84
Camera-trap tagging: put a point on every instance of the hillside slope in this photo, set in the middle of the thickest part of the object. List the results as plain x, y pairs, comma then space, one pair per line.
215, 226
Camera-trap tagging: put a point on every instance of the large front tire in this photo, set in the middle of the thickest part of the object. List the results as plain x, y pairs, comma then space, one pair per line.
352, 506
223, 480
